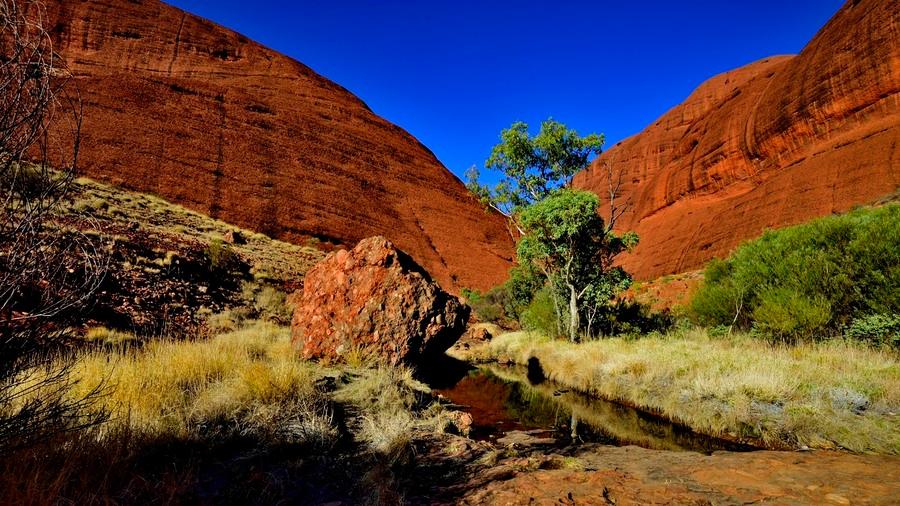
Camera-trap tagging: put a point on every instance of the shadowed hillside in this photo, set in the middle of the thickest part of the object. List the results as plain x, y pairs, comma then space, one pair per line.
180, 107
774, 143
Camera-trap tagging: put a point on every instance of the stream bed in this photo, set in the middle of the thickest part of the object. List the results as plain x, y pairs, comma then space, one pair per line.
507, 400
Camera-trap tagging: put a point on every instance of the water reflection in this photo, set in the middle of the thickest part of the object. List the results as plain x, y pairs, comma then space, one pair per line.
502, 399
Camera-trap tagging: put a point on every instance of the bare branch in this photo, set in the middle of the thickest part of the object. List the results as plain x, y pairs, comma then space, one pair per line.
615, 177
46, 274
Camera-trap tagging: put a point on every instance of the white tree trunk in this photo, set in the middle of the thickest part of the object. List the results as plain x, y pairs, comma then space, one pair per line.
573, 314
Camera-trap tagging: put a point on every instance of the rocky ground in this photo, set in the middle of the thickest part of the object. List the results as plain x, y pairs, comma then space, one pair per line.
631, 475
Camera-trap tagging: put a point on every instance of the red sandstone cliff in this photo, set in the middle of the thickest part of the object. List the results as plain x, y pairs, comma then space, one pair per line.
775, 143
178, 106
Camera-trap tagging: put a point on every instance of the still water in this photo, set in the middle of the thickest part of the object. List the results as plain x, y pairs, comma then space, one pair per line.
502, 399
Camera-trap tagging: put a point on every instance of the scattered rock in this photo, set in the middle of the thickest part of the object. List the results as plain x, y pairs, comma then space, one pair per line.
520, 438
848, 399
234, 237
374, 301
461, 422
477, 333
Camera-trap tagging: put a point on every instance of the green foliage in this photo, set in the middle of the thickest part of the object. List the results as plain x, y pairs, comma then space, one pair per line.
630, 318
878, 328
221, 256
567, 240
533, 167
524, 281
486, 306
505, 303
785, 314
540, 315
808, 281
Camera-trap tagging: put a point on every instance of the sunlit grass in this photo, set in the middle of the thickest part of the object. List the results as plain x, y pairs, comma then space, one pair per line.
834, 394
247, 377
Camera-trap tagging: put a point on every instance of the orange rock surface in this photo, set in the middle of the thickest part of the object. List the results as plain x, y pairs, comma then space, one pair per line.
631, 475
178, 106
775, 143
374, 301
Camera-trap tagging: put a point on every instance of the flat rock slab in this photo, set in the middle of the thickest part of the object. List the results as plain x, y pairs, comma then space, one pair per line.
631, 475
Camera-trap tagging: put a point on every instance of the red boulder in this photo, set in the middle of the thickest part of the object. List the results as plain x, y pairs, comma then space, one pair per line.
374, 301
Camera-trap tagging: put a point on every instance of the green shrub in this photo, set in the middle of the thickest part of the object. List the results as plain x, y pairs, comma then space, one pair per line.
524, 281
266, 302
540, 315
505, 303
628, 317
784, 313
807, 281
485, 306
220, 255
877, 328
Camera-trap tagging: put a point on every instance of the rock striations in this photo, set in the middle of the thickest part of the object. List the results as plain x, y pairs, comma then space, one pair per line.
178, 106
772, 144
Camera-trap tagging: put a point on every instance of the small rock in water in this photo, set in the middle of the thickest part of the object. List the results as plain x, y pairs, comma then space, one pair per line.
525, 438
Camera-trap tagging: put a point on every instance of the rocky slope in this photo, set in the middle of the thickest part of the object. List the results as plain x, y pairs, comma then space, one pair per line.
180, 107
774, 143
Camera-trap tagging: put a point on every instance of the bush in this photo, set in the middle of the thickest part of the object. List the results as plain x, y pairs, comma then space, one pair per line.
524, 281
221, 256
807, 281
540, 315
486, 306
505, 303
628, 317
877, 328
267, 302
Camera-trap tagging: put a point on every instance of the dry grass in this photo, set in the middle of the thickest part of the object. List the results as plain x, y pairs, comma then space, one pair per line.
269, 258
833, 394
177, 406
394, 405
248, 380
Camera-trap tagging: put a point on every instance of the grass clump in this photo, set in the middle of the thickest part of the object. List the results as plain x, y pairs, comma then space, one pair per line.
809, 281
247, 380
834, 394
394, 404
108, 337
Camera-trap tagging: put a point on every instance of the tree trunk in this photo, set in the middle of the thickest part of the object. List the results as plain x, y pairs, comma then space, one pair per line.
559, 324
573, 314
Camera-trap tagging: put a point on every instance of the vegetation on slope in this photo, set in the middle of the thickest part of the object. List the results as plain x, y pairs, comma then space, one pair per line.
112, 210
834, 394
839, 274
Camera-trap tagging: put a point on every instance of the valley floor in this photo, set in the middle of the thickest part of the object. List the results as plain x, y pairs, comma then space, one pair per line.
237, 418
829, 395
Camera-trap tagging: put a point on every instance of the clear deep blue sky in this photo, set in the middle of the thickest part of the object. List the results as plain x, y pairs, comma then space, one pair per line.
454, 73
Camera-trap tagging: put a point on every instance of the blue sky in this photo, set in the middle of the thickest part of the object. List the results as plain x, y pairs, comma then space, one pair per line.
455, 73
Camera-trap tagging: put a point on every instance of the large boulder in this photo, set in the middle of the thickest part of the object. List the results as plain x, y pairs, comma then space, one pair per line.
374, 301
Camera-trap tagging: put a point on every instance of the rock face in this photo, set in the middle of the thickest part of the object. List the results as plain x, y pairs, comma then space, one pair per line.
775, 143
178, 106
375, 301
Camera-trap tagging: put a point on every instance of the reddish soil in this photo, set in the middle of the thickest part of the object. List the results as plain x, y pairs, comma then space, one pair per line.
178, 106
668, 292
774, 143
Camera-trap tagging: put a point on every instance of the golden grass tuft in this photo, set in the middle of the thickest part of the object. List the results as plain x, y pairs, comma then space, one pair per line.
834, 394
249, 377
